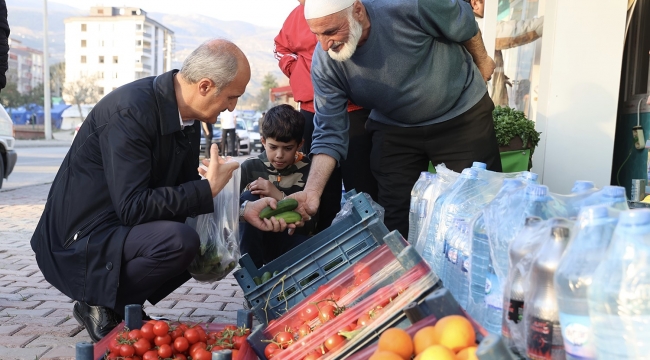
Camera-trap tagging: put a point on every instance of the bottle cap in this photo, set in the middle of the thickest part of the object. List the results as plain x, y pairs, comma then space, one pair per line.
511, 182
537, 192
560, 232
529, 176
531, 220
582, 185
636, 217
470, 173
614, 191
479, 165
594, 212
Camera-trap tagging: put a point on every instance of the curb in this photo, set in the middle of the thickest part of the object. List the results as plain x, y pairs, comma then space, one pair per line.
41, 143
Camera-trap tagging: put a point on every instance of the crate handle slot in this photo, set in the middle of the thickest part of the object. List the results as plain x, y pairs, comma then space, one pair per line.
332, 264
284, 294
306, 280
355, 250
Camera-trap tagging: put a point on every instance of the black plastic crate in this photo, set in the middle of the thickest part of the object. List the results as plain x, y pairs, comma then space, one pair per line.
312, 263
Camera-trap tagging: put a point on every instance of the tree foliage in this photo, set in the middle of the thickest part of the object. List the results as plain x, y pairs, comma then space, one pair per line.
81, 92
263, 98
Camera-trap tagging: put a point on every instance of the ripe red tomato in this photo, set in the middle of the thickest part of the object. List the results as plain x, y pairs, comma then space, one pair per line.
176, 333
179, 357
309, 313
182, 327
112, 356
238, 341
141, 346
150, 355
334, 341
313, 355
303, 330
181, 344
360, 268
161, 340
114, 346
196, 347
202, 354
146, 331
326, 313
165, 351
284, 339
270, 349
364, 320
161, 328
192, 336
126, 350
361, 278
203, 337
134, 334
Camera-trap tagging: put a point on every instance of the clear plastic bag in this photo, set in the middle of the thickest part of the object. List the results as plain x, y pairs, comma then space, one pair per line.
346, 209
219, 234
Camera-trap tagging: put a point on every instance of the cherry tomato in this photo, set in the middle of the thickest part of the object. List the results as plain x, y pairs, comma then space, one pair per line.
230, 327
192, 336
202, 354
364, 320
161, 328
165, 351
326, 313
181, 344
146, 331
176, 333
284, 339
309, 313
270, 349
361, 278
196, 347
235, 354
203, 337
112, 356
313, 355
238, 341
150, 355
134, 334
161, 340
182, 327
179, 357
114, 346
303, 330
126, 350
360, 268
141, 346
334, 341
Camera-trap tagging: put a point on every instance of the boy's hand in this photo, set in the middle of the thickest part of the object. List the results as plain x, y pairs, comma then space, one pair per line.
217, 171
252, 216
264, 188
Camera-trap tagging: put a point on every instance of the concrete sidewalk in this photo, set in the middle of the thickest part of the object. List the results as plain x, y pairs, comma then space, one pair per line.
36, 319
59, 138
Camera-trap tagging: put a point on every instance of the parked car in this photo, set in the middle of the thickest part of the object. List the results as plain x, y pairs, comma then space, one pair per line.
242, 145
254, 133
8, 156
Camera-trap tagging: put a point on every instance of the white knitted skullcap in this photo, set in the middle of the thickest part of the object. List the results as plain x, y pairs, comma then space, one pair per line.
315, 9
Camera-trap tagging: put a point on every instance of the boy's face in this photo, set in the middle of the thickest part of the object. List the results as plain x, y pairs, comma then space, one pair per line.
281, 154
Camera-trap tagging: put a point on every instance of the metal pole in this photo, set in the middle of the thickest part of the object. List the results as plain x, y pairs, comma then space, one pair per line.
47, 111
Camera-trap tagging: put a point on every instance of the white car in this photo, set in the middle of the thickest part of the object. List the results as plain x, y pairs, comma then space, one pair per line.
243, 145
254, 134
8, 156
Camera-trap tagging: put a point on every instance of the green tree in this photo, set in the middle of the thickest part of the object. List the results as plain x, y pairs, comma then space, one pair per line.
36, 95
57, 78
11, 97
263, 98
81, 92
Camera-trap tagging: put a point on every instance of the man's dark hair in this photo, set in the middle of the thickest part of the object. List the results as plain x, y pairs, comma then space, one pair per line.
283, 123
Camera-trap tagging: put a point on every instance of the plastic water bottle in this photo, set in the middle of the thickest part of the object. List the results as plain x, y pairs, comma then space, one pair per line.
575, 274
479, 165
480, 268
423, 205
528, 177
614, 196
450, 239
619, 296
542, 318
538, 201
457, 262
581, 186
416, 193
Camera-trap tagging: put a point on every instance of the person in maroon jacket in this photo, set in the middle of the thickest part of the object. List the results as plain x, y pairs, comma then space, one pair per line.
294, 47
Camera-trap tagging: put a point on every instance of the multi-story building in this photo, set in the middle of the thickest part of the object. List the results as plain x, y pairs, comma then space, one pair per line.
114, 46
25, 66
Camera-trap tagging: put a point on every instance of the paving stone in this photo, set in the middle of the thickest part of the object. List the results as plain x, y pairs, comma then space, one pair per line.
11, 353
170, 313
19, 304
56, 341
15, 297
228, 287
54, 331
46, 322
179, 297
10, 329
225, 299
194, 304
224, 317
28, 313
16, 341
50, 297
55, 305
60, 353
203, 291
233, 307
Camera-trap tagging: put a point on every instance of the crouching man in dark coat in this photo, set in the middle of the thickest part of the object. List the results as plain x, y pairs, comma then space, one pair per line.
112, 232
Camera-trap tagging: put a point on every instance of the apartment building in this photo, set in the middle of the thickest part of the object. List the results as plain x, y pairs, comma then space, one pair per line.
116, 45
25, 66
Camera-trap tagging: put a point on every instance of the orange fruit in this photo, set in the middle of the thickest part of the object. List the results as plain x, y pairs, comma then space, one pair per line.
437, 352
396, 341
454, 332
385, 355
424, 338
467, 354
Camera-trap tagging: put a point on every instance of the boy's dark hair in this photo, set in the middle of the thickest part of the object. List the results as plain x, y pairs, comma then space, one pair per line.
283, 123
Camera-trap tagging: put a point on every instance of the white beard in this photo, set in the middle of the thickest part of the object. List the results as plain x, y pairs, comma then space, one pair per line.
349, 47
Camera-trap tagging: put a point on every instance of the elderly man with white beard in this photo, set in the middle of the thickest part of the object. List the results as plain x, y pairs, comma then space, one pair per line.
422, 67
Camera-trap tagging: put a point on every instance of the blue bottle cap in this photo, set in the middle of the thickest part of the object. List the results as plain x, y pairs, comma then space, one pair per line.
594, 212
614, 191
470, 173
431, 175
529, 176
582, 185
537, 192
424, 173
511, 182
479, 165
636, 217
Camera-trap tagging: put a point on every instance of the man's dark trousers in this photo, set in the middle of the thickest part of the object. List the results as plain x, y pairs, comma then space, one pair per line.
399, 154
228, 139
155, 259
208, 134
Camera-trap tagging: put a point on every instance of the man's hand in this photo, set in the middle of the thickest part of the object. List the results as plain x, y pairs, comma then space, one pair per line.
264, 188
219, 171
252, 216
483, 62
486, 67
308, 202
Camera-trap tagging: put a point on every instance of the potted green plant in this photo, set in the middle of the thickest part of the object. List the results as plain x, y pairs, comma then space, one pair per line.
514, 132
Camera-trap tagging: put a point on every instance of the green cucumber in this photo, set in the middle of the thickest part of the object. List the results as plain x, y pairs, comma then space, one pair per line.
266, 277
283, 205
289, 217
257, 280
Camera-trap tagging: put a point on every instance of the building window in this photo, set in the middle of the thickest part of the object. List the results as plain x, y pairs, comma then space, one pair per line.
83, 43
100, 91
101, 43
101, 74
114, 59
133, 12
138, 26
138, 43
100, 11
116, 75
83, 59
101, 59
84, 27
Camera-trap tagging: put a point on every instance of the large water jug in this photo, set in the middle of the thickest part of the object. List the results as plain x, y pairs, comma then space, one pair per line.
619, 297
456, 265
574, 276
416, 194
424, 204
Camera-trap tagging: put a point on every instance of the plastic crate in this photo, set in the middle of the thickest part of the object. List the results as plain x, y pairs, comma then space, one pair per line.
404, 272
313, 263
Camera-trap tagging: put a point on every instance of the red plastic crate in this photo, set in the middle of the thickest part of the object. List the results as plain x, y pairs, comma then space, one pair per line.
245, 353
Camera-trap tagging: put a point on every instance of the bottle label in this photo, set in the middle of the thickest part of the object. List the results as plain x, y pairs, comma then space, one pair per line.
465, 268
422, 209
493, 296
412, 206
544, 340
516, 311
452, 255
578, 339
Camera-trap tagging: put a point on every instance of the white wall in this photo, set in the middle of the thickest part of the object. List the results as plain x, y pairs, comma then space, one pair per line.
581, 60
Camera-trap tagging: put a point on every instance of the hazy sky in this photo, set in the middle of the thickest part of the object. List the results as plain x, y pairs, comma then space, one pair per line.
269, 13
